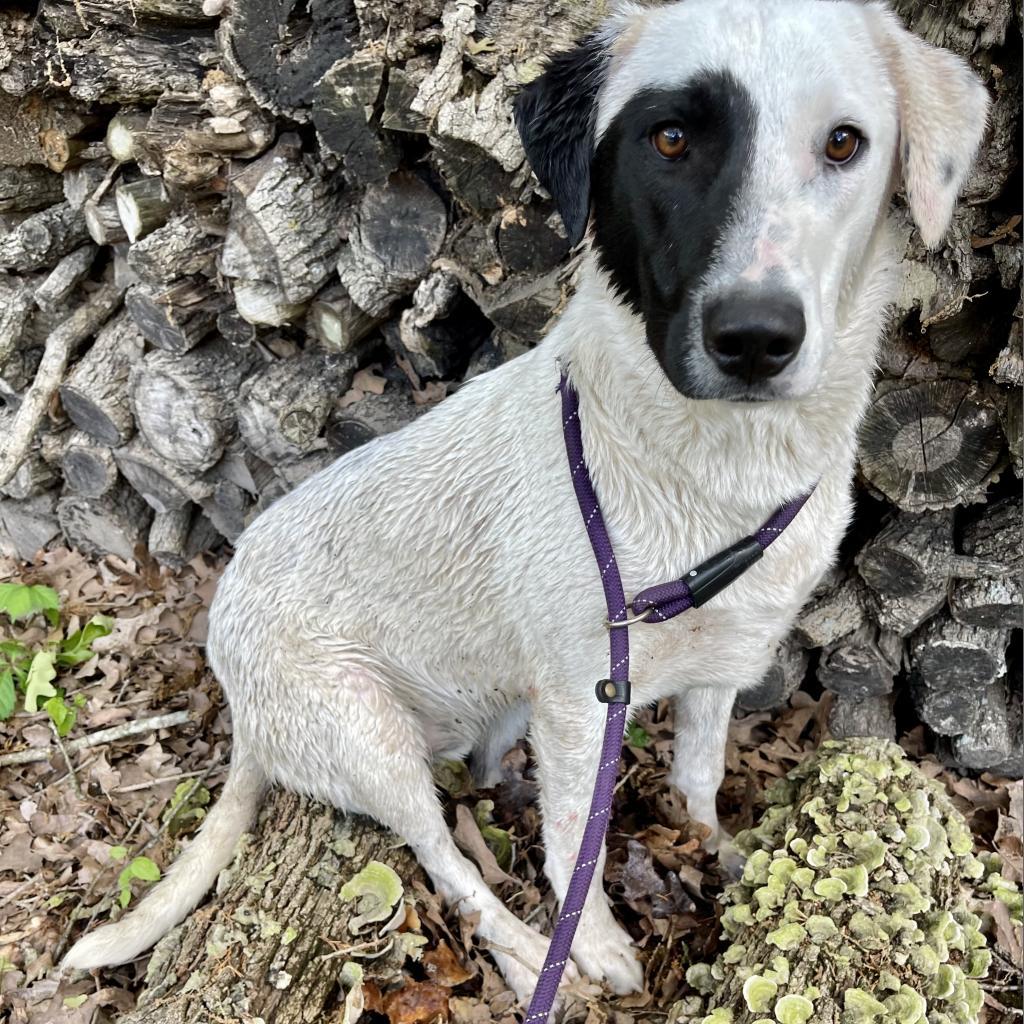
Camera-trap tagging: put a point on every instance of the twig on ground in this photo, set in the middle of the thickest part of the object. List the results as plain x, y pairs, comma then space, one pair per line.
67, 759
116, 732
169, 778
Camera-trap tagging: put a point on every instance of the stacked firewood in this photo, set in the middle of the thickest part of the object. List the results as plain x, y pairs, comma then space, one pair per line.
239, 240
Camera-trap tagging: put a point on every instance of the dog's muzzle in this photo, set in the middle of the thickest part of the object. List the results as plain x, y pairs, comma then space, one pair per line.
753, 335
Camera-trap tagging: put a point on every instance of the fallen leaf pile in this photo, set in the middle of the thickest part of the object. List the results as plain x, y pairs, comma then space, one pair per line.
70, 824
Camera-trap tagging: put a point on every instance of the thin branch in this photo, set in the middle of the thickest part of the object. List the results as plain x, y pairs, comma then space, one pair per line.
61, 345
116, 732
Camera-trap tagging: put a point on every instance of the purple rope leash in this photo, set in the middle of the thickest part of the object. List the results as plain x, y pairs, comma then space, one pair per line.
655, 604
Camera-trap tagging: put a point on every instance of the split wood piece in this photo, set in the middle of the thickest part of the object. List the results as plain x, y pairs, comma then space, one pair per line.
112, 67
992, 743
163, 485
785, 676
932, 445
121, 132
142, 205
441, 330
523, 305
34, 476
833, 611
61, 345
188, 137
283, 408
863, 663
281, 48
176, 317
336, 322
531, 239
184, 405
28, 188
18, 373
133, 16
94, 394
27, 118
180, 248
303, 854
871, 848
403, 85
344, 105
231, 508
112, 524
370, 417
1008, 367
90, 181
30, 525
43, 238
950, 655
291, 474
177, 536
285, 210
88, 467
264, 304
17, 303
103, 220
56, 289
995, 602
907, 566
399, 231
850, 717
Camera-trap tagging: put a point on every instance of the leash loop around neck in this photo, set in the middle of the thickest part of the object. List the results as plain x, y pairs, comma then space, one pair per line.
656, 604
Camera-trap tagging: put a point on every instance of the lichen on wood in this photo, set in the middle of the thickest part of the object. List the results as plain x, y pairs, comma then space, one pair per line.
855, 903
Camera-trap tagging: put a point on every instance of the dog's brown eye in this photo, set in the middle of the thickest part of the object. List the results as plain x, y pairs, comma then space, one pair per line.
842, 145
670, 141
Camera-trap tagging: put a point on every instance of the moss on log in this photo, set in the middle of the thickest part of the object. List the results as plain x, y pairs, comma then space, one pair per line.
855, 902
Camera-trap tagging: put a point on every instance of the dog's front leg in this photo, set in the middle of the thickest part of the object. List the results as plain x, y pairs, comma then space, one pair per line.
698, 759
566, 738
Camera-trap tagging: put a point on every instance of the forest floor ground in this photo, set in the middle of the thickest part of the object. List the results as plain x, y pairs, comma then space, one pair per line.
70, 823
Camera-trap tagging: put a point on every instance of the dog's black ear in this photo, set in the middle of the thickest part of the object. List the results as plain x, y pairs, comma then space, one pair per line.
555, 118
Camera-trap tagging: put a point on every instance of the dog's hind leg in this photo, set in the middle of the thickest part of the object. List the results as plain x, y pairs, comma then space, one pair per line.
702, 716
373, 759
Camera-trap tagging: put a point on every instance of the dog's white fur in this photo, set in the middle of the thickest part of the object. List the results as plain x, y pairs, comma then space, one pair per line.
436, 587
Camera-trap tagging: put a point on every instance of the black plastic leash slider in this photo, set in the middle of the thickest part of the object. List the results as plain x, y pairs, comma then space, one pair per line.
714, 575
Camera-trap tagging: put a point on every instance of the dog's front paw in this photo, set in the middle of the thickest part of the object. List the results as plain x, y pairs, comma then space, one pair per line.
606, 953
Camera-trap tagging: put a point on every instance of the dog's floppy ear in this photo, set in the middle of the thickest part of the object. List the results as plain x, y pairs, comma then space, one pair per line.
555, 118
943, 108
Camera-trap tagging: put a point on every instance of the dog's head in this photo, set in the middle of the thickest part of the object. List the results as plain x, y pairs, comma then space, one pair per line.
734, 159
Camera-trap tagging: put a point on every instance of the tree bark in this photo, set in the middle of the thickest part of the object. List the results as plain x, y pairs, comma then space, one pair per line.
273, 944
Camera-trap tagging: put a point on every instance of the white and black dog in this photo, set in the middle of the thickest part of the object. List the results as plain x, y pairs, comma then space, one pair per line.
433, 592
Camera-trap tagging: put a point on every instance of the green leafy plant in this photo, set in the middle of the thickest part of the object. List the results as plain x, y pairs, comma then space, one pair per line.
137, 867
187, 808
637, 735
32, 671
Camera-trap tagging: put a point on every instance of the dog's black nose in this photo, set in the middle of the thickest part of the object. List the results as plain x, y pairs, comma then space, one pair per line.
753, 336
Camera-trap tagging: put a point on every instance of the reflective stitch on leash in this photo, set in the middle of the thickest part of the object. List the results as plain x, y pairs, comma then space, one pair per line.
656, 604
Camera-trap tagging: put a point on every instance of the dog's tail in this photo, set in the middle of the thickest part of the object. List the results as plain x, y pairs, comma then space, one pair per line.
187, 880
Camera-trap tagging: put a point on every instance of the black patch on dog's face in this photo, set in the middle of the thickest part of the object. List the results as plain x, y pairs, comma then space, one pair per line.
658, 223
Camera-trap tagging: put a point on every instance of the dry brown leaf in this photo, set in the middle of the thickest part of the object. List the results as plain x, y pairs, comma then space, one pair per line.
467, 835
444, 968
419, 1002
